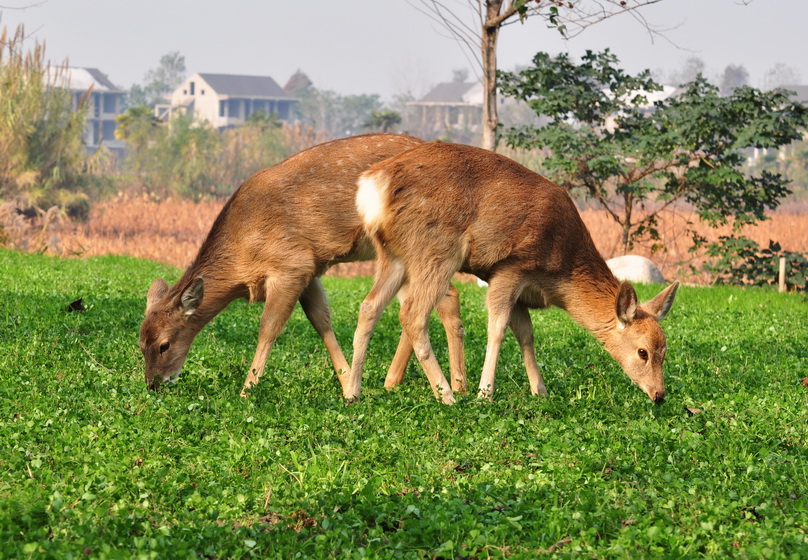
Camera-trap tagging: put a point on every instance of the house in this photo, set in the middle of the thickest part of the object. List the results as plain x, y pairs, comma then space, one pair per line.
450, 110
105, 102
224, 100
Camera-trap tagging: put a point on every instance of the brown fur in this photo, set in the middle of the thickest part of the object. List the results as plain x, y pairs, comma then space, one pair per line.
273, 239
449, 208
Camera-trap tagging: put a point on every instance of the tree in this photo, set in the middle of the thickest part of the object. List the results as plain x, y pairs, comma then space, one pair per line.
781, 75
338, 115
194, 160
160, 81
692, 67
383, 120
570, 18
637, 159
735, 76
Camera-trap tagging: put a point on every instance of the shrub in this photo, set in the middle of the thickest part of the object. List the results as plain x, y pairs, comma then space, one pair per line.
741, 262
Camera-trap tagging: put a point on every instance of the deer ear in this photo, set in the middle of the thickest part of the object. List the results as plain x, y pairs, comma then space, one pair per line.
661, 304
192, 297
626, 304
158, 290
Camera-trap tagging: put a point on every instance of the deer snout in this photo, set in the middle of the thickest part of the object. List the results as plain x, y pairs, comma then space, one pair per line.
656, 394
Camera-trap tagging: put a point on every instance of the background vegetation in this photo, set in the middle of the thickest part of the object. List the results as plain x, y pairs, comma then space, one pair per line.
95, 466
631, 169
42, 157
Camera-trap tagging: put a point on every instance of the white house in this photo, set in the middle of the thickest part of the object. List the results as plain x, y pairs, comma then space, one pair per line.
225, 100
106, 101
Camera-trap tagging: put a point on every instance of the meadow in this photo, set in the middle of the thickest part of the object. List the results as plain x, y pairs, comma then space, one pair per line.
94, 466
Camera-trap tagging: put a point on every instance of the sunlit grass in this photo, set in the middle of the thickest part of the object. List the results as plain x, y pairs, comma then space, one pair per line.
93, 465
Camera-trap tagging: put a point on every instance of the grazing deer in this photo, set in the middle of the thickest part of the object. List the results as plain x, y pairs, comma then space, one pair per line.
276, 235
442, 208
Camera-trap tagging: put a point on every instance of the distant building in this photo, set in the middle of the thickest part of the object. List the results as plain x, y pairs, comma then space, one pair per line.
224, 100
106, 101
297, 81
450, 110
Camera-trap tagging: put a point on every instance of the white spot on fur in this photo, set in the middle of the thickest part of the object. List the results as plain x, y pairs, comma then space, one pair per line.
371, 200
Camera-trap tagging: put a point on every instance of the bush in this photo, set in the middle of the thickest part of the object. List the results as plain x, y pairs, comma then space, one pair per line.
741, 262
41, 148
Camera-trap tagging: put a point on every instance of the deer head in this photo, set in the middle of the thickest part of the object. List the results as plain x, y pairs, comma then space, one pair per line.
637, 342
168, 329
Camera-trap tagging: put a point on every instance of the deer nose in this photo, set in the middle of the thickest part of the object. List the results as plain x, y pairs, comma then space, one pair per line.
658, 397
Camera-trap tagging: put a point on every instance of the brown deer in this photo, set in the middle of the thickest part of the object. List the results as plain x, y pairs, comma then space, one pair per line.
276, 235
442, 208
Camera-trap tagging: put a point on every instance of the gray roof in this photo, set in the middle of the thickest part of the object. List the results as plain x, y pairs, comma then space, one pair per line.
245, 86
448, 92
102, 79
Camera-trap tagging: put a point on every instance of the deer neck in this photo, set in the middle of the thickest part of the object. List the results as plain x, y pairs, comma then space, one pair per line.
219, 291
590, 296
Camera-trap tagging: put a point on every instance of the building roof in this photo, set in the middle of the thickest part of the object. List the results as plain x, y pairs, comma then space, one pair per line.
245, 86
454, 93
82, 79
297, 81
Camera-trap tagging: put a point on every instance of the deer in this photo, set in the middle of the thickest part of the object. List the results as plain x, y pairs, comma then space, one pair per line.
271, 242
440, 208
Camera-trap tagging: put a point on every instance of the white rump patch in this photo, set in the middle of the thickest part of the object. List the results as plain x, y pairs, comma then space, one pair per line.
371, 200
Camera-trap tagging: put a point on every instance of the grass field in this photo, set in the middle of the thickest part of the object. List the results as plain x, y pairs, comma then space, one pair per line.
94, 466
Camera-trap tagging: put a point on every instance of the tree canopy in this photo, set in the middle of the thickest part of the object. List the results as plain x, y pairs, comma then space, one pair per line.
636, 158
570, 18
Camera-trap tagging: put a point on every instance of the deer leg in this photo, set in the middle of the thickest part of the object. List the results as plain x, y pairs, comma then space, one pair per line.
395, 375
449, 312
418, 303
389, 278
315, 305
522, 328
500, 300
280, 300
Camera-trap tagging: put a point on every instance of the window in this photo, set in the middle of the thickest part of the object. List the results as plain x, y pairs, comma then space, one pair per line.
110, 103
109, 130
234, 108
222, 108
193, 86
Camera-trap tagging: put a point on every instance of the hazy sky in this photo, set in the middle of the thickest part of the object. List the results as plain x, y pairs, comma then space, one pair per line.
389, 46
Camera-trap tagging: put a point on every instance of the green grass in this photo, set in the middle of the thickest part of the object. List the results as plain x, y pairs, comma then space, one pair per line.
92, 465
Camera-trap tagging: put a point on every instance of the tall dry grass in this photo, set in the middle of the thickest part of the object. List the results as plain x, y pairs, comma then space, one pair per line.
788, 226
168, 231
171, 231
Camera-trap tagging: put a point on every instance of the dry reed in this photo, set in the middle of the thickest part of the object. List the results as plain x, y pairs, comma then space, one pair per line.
171, 231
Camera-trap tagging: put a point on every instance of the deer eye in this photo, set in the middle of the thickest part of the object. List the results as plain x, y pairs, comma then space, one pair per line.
643, 353
164, 347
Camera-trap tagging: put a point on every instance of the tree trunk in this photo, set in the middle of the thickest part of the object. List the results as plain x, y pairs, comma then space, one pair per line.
489, 53
628, 243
